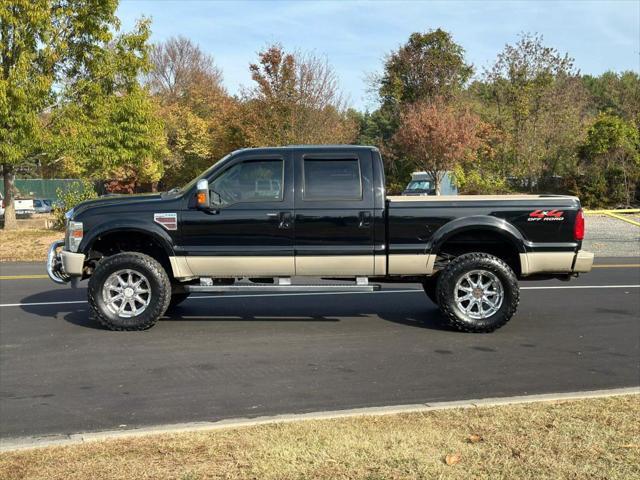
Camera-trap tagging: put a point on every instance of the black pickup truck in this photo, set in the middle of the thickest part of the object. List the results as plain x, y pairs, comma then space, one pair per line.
261, 216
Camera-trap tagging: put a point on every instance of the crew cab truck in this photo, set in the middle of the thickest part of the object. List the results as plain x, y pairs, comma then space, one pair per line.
261, 218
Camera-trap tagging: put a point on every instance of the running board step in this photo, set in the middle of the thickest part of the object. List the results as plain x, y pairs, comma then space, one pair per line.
260, 288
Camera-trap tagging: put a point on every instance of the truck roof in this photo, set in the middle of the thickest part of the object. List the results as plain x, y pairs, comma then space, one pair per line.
309, 147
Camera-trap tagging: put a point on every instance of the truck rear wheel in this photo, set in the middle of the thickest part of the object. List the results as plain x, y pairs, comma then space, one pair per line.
129, 291
478, 293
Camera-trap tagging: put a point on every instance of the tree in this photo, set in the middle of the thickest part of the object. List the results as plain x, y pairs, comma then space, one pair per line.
534, 95
296, 99
106, 125
484, 173
41, 41
197, 111
611, 160
429, 65
437, 137
618, 93
377, 128
179, 66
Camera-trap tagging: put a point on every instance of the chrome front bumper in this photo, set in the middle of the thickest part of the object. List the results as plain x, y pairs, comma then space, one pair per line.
63, 266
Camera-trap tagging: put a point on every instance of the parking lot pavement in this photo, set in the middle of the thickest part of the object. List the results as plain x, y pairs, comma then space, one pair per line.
610, 237
235, 356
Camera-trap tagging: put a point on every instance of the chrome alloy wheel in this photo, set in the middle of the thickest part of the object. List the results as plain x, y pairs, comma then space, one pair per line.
479, 294
126, 293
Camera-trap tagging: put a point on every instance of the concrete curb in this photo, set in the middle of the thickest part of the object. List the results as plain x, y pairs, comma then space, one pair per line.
23, 443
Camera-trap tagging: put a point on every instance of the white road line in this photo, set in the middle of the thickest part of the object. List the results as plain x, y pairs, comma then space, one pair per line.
253, 295
561, 287
35, 304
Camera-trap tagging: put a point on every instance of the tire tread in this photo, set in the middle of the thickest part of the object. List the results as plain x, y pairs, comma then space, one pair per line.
157, 308
471, 261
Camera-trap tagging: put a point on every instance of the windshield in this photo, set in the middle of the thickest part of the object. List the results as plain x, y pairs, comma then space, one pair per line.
205, 174
419, 185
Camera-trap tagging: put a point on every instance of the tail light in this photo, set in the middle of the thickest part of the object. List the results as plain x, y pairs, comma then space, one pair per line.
578, 226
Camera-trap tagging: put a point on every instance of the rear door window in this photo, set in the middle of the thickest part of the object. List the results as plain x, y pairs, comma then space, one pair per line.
332, 179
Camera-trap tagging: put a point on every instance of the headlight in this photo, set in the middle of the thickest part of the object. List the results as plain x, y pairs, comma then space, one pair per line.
75, 234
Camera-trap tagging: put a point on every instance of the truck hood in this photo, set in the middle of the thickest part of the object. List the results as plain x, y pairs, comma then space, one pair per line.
120, 201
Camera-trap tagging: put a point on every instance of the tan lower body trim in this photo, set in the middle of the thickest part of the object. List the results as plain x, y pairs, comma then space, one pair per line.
329, 265
181, 269
380, 265
411, 264
213, 266
322, 265
546, 262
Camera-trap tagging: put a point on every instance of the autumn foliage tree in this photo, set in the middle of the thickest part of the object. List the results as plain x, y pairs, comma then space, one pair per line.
197, 111
436, 137
41, 42
106, 125
610, 162
534, 94
429, 66
296, 100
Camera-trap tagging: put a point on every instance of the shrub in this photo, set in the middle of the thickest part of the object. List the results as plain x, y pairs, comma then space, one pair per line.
69, 198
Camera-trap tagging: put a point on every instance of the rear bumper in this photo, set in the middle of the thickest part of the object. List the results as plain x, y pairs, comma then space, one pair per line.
62, 265
555, 262
583, 262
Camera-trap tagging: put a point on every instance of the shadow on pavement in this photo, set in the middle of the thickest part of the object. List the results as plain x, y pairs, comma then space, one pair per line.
412, 312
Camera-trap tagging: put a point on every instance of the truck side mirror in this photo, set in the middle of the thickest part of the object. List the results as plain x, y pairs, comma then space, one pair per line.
202, 196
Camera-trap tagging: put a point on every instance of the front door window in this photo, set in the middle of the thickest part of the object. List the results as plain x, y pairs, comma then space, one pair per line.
251, 181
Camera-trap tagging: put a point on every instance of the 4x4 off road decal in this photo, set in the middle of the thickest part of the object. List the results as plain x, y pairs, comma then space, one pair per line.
167, 220
546, 216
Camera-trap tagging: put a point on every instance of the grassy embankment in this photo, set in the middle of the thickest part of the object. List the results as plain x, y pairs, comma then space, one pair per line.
26, 245
597, 438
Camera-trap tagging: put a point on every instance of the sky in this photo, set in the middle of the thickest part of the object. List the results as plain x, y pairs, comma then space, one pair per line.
355, 36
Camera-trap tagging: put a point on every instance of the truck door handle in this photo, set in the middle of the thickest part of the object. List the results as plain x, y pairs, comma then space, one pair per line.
365, 220
284, 219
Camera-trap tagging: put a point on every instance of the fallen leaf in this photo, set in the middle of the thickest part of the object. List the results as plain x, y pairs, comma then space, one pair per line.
474, 438
452, 459
630, 445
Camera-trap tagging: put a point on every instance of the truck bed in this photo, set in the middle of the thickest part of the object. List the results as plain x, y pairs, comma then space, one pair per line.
535, 225
475, 198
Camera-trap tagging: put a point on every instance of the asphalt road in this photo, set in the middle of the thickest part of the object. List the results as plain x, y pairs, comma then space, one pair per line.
230, 357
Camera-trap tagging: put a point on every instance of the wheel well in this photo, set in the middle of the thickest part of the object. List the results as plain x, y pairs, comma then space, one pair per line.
487, 241
130, 241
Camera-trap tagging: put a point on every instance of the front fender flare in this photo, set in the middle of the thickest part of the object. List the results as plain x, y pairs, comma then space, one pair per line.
155, 231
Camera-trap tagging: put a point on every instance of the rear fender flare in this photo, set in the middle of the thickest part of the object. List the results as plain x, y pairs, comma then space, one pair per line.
477, 223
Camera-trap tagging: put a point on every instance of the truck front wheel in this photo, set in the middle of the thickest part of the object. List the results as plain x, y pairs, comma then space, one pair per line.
430, 286
478, 293
177, 299
129, 291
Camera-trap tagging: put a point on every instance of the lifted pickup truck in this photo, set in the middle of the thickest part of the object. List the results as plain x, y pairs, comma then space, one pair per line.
261, 216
